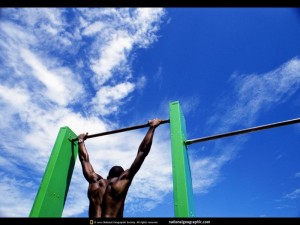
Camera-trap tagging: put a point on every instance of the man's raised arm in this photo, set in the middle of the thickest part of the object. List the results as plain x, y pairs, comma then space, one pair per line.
144, 148
87, 168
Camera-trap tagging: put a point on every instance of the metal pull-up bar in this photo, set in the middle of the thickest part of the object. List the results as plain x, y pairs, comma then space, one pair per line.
121, 130
248, 130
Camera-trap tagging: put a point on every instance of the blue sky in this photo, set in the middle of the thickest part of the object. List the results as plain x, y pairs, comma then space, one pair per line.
102, 69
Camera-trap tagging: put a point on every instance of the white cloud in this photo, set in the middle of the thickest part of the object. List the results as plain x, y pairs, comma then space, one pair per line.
253, 94
294, 194
35, 16
93, 28
206, 172
127, 30
297, 175
108, 99
141, 82
49, 29
53, 82
15, 34
258, 91
16, 197
16, 97
10, 164
112, 55
62, 84
49, 25
190, 104
29, 68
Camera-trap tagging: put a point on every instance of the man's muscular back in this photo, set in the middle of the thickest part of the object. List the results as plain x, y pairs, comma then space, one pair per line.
107, 197
96, 192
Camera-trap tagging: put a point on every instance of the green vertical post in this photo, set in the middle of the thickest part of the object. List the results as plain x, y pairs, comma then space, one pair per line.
182, 180
52, 193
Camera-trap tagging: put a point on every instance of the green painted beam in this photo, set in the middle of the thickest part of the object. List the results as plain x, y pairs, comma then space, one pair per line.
52, 193
182, 180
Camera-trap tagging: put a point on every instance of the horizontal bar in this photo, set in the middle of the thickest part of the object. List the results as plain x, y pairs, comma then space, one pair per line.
248, 130
121, 130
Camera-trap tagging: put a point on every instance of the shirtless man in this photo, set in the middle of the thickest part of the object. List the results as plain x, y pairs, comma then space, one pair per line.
107, 196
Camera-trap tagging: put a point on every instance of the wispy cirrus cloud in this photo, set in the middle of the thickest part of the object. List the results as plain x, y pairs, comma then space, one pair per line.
253, 94
294, 194
17, 191
57, 82
297, 175
288, 200
109, 98
127, 30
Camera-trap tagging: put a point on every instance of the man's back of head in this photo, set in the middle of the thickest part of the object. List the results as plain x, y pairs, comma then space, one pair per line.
115, 171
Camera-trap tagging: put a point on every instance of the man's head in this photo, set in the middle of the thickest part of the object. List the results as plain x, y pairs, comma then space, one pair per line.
115, 171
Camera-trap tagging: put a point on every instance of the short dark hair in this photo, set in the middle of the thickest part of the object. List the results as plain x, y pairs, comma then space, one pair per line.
115, 171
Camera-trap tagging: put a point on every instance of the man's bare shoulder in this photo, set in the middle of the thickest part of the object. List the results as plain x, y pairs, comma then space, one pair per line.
103, 181
97, 187
96, 178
